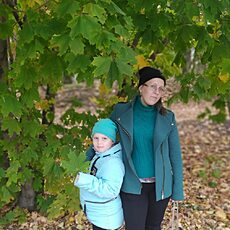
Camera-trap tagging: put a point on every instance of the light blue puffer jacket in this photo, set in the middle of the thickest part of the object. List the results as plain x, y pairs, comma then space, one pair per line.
99, 194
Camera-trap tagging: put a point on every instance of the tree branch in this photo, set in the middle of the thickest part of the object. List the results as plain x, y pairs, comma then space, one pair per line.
12, 4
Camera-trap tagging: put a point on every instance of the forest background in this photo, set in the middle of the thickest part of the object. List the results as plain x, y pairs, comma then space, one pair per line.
99, 46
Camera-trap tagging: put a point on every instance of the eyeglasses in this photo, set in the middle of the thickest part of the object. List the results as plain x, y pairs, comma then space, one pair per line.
154, 88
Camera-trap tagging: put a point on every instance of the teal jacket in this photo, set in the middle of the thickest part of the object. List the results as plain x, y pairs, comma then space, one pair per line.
168, 160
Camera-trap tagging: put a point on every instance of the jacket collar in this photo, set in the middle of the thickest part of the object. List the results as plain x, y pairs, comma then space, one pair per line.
162, 127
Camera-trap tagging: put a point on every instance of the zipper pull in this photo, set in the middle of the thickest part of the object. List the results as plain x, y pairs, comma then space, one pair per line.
162, 194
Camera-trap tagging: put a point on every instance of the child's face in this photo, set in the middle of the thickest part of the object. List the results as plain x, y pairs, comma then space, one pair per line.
101, 142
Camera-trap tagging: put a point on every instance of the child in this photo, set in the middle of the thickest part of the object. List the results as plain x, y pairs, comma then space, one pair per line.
99, 190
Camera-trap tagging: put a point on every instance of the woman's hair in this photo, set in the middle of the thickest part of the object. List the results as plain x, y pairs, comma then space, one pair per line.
161, 108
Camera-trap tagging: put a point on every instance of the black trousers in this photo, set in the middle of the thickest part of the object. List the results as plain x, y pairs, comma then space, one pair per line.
143, 212
97, 228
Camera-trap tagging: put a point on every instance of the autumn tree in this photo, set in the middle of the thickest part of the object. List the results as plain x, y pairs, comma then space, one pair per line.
41, 41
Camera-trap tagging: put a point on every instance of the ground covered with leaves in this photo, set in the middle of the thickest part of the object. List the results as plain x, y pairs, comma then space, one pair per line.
206, 157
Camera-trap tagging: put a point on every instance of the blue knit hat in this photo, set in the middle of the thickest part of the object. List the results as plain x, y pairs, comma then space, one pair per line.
106, 127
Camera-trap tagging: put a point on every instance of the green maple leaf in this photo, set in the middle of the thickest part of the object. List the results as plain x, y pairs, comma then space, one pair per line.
104, 39
6, 29
26, 76
124, 68
51, 67
6, 196
77, 46
85, 25
4, 88
10, 104
122, 31
26, 34
115, 9
76, 63
95, 10
31, 128
47, 166
62, 41
29, 96
11, 125
113, 74
2, 172
12, 172
102, 65
75, 163
67, 7
28, 155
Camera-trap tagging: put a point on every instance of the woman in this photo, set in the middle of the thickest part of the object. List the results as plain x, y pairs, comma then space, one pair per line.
151, 154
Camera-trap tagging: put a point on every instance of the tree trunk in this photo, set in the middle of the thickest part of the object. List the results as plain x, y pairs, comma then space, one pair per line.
228, 106
27, 196
3, 58
3, 67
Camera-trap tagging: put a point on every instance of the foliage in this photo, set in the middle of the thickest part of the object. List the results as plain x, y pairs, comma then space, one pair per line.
48, 40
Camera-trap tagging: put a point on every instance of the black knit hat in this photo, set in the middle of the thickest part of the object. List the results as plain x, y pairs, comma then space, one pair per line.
147, 73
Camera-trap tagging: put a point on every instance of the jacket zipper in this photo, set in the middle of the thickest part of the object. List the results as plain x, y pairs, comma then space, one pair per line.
123, 129
96, 202
162, 156
102, 202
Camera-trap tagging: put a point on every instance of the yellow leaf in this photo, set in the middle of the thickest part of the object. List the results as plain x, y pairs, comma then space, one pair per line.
33, 3
39, 2
220, 214
42, 105
224, 77
71, 219
103, 89
30, 4
141, 62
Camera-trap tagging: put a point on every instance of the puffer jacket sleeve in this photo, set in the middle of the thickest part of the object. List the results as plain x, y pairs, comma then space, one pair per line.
107, 186
176, 162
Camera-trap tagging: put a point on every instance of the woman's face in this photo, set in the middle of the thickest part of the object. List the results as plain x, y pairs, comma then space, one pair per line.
151, 91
